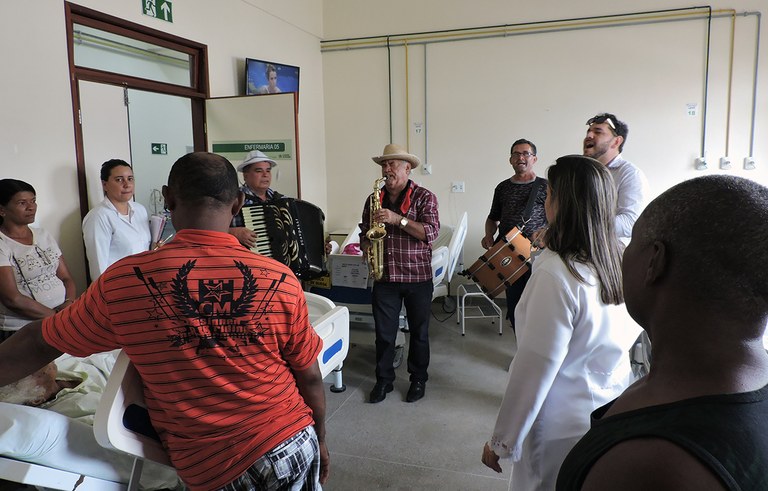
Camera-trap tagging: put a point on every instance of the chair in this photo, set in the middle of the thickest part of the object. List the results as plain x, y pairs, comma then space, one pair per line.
487, 308
122, 422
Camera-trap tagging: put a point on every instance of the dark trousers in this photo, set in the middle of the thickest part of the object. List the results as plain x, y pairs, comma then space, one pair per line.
387, 299
513, 294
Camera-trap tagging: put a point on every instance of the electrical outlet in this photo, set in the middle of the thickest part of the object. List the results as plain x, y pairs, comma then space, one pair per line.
457, 187
725, 163
701, 163
749, 163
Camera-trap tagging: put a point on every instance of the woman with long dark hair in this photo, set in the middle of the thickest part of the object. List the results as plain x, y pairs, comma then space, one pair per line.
34, 279
573, 333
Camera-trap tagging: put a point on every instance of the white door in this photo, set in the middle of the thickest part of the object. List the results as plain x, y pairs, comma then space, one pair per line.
131, 125
105, 132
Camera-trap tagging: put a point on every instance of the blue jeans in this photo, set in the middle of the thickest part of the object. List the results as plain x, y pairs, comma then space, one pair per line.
293, 465
386, 300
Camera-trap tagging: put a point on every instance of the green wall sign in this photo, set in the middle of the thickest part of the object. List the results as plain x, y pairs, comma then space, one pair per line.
159, 9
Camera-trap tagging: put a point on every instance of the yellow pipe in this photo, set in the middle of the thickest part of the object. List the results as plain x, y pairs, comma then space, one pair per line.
515, 30
730, 83
407, 104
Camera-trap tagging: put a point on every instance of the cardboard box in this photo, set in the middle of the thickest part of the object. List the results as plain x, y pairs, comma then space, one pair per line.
348, 270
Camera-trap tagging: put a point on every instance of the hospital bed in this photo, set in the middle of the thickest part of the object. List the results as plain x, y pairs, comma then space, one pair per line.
447, 253
121, 423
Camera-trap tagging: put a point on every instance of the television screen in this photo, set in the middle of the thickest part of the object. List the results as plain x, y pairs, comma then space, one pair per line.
266, 77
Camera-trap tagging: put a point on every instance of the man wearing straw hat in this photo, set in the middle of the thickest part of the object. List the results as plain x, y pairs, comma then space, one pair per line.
257, 174
409, 214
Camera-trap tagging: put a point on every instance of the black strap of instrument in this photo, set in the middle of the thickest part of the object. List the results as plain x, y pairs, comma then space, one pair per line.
537, 183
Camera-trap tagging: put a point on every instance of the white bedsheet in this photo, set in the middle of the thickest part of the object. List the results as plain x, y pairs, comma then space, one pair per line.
66, 441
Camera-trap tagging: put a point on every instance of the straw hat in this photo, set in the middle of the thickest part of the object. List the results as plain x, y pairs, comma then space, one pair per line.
253, 157
396, 152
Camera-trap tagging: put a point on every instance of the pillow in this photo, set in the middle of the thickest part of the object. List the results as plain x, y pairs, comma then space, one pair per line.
50, 439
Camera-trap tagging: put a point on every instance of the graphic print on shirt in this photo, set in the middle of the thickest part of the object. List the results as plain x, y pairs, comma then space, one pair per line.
37, 270
216, 318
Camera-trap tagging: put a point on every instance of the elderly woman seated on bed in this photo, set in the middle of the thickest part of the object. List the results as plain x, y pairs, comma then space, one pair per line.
58, 431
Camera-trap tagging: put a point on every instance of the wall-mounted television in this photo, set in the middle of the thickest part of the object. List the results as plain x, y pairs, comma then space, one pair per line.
267, 77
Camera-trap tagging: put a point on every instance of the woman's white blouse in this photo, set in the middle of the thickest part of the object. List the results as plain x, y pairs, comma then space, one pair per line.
109, 238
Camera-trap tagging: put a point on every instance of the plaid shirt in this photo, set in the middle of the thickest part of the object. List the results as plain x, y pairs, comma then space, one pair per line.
406, 258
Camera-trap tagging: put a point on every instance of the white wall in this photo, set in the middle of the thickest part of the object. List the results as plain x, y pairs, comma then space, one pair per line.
483, 94
36, 132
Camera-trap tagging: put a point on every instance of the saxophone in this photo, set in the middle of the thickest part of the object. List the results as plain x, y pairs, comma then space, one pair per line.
376, 233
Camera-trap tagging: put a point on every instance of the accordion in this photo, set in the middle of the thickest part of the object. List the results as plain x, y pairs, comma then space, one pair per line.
291, 232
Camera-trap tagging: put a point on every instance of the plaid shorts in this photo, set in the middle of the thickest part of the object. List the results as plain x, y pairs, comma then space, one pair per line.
294, 465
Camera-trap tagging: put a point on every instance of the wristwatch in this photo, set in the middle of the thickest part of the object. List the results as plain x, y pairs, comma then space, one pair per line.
403, 222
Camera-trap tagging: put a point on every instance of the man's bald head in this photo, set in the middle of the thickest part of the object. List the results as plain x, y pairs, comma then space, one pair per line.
202, 178
715, 231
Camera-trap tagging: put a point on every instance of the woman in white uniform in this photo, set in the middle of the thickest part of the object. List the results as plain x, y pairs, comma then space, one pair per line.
573, 332
34, 279
118, 226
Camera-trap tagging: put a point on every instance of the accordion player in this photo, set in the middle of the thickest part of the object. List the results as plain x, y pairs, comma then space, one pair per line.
291, 232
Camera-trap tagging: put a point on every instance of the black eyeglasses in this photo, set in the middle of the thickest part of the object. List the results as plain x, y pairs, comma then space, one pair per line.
603, 119
525, 154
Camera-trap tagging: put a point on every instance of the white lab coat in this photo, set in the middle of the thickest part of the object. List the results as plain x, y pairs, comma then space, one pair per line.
109, 238
572, 357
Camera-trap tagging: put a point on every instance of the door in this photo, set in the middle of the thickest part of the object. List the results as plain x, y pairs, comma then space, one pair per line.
152, 130
105, 132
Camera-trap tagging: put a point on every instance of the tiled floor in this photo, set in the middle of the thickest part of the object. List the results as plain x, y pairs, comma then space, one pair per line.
436, 442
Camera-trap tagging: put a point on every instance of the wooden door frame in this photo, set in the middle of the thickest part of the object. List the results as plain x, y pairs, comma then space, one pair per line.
197, 92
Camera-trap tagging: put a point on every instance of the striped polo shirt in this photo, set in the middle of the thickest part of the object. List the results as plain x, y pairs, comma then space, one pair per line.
215, 331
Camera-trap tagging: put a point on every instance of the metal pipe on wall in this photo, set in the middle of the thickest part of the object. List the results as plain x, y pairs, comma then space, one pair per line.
754, 84
730, 84
560, 25
706, 89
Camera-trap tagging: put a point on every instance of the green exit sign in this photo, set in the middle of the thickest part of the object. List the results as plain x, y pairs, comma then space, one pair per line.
159, 9
159, 149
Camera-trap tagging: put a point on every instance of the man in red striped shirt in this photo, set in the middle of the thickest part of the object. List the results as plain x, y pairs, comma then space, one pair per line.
220, 336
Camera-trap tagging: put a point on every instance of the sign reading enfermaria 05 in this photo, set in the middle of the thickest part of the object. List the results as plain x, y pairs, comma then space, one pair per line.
159, 9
